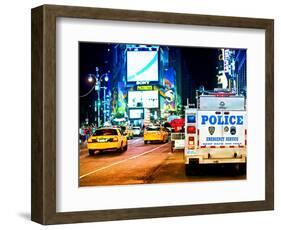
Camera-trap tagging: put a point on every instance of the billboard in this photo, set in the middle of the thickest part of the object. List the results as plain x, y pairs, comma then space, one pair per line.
143, 99
142, 66
136, 113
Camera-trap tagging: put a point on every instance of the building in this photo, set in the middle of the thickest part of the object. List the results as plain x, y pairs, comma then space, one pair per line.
144, 83
241, 71
232, 70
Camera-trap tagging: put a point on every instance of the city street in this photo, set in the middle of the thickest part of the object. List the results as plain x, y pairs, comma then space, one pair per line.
143, 164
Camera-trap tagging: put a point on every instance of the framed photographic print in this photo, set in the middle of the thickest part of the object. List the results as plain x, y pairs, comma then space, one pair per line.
139, 114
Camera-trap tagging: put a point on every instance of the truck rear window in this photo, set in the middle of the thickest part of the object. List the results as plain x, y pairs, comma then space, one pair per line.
221, 103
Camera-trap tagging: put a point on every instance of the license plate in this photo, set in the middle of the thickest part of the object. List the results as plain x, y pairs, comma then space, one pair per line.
102, 140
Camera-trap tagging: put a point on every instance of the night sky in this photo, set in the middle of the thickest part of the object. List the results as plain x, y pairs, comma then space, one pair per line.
199, 63
92, 55
198, 67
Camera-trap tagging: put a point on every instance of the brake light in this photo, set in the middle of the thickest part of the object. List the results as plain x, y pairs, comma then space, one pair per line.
191, 129
190, 140
90, 140
115, 139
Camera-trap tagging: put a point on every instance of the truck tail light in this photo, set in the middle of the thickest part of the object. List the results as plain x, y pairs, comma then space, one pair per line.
190, 140
191, 129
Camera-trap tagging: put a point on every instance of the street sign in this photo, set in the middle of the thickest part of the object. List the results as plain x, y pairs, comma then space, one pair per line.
144, 87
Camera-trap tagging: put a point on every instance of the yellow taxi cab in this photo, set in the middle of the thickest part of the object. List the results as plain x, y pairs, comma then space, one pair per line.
127, 131
155, 133
104, 139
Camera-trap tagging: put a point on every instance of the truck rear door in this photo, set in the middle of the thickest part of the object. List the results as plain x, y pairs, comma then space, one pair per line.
222, 129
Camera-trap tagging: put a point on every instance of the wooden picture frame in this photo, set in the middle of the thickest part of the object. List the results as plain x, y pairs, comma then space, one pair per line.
43, 208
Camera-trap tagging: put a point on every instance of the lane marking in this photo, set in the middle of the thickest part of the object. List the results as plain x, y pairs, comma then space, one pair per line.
119, 162
137, 140
83, 153
83, 156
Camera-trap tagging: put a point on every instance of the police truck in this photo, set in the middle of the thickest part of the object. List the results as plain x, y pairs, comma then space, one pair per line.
216, 131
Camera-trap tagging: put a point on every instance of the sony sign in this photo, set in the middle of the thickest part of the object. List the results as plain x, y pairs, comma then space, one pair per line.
142, 82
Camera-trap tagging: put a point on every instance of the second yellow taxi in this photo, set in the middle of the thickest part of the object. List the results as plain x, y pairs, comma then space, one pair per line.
155, 133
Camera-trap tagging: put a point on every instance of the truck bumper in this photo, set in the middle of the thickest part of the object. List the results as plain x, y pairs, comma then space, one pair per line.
215, 156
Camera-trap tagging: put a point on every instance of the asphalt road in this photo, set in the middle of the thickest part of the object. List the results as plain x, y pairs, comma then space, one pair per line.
143, 164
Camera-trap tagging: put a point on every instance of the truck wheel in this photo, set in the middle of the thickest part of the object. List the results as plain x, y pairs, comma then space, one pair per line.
145, 142
191, 169
126, 148
238, 168
242, 169
91, 152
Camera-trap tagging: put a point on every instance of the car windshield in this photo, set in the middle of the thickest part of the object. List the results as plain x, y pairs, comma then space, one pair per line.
105, 132
153, 129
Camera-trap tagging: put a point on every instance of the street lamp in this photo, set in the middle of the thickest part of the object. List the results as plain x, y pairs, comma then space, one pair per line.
104, 103
97, 78
90, 78
98, 88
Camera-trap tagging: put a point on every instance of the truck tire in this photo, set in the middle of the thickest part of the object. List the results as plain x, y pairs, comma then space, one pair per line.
242, 168
191, 169
237, 168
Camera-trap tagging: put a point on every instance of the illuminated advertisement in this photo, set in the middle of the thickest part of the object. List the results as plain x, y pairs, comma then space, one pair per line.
142, 66
136, 113
144, 99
